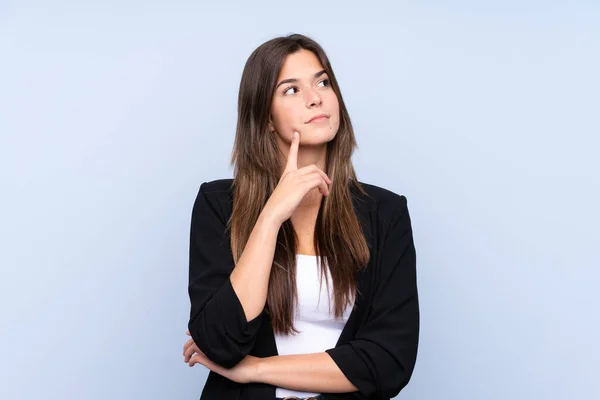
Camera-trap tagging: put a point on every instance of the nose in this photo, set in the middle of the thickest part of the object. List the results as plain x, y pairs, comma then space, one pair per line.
313, 98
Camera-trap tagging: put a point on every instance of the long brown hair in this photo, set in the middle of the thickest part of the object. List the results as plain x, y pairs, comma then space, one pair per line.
338, 239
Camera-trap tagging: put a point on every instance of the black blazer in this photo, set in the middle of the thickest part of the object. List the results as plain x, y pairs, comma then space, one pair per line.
377, 348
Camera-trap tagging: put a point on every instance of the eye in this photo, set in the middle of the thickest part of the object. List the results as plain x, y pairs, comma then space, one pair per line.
326, 83
288, 89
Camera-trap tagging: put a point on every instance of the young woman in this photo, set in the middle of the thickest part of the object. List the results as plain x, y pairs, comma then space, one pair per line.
294, 215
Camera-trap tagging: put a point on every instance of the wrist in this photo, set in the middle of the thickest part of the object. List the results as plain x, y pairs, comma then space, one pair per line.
269, 219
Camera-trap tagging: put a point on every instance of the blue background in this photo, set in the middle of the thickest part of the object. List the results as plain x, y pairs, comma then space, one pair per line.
484, 114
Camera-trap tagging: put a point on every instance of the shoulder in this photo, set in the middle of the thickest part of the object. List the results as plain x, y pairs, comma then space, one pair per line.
217, 187
217, 191
388, 204
214, 197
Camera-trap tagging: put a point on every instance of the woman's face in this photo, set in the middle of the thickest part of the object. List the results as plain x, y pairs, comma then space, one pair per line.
303, 91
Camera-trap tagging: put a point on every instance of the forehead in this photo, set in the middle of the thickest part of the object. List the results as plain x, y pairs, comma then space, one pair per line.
301, 64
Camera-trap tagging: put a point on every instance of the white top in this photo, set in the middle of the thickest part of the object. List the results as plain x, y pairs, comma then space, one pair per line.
319, 330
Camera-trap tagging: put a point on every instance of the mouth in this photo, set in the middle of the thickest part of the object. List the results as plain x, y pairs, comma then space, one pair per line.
318, 118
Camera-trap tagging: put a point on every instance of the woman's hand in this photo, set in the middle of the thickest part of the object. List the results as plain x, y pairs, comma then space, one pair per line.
294, 184
246, 371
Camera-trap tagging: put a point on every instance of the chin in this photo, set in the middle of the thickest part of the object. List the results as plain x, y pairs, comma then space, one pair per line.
318, 137
320, 129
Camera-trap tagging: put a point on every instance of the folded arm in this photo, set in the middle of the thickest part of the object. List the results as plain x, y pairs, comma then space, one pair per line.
218, 323
380, 359
315, 372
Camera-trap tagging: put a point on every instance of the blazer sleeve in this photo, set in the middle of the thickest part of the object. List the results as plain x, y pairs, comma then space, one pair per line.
217, 322
380, 359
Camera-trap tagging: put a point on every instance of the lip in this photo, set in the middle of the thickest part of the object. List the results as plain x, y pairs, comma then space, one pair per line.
318, 118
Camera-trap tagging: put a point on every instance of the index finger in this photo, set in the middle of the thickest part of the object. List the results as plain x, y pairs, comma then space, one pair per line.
292, 159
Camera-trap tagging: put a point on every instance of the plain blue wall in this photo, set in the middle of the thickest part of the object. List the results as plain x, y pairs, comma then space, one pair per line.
486, 116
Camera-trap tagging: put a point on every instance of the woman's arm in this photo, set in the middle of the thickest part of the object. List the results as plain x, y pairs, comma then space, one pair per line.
380, 359
250, 277
226, 306
315, 372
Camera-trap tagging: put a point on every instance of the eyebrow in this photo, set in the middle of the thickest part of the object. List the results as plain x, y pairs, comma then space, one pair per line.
296, 80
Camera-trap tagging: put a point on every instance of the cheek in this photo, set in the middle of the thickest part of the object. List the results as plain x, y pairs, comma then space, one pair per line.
335, 113
288, 111
333, 105
285, 113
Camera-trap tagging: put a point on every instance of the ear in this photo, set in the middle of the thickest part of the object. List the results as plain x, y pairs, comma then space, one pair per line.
270, 126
